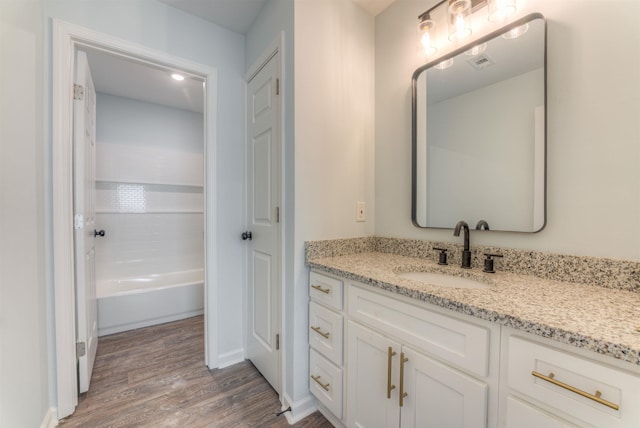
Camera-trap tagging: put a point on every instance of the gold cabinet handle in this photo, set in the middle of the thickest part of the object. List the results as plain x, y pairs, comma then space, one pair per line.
402, 393
595, 397
317, 330
322, 290
324, 386
390, 353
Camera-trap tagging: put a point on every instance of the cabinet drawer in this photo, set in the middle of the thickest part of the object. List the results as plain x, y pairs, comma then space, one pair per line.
326, 290
455, 341
326, 382
325, 332
574, 384
524, 415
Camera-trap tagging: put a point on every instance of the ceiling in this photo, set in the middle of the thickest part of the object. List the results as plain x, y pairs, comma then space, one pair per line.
124, 77
234, 15
239, 15
120, 76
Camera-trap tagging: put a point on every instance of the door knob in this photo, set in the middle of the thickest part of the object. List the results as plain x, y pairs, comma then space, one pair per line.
98, 232
246, 235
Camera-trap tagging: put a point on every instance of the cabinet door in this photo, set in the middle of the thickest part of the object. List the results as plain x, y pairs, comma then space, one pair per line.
367, 379
439, 396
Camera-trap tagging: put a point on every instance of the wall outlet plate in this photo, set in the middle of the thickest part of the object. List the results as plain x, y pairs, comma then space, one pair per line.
361, 211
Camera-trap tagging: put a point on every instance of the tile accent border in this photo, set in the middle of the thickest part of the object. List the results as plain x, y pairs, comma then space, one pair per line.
598, 271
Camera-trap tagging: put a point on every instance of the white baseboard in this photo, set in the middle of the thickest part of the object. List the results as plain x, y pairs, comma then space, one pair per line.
299, 409
50, 419
230, 358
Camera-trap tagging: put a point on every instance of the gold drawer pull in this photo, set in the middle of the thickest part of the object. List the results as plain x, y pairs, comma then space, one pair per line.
317, 330
402, 393
324, 386
322, 290
595, 397
390, 353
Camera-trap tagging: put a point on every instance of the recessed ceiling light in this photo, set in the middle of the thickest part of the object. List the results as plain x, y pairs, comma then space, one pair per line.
177, 76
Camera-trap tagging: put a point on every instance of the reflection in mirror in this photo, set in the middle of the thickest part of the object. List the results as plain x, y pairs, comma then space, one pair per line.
479, 133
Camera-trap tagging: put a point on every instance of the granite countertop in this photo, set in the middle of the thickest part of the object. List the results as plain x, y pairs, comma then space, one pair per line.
602, 320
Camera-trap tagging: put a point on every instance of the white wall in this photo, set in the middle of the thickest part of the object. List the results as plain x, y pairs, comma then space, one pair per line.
137, 123
158, 26
593, 129
334, 138
24, 373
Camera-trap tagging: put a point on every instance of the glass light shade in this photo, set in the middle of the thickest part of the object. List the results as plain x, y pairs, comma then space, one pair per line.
427, 31
459, 20
516, 32
501, 10
444, 64
477, 49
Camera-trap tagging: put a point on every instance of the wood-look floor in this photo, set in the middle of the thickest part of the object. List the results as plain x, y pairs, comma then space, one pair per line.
156, 377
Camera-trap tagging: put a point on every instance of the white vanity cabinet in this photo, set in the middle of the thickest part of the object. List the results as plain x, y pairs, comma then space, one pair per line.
546, 384
411, 365
382, 360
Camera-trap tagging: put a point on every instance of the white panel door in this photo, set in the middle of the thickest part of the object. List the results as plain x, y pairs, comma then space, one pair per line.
263, 201
372, 379
84, 147
439, 396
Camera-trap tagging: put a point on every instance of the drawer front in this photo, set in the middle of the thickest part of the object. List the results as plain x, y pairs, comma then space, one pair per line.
524, 415
325, 332
454, 341
574, 384
325, 382
326, 290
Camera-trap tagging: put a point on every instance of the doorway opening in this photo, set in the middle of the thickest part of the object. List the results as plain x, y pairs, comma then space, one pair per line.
153, 194
138, 187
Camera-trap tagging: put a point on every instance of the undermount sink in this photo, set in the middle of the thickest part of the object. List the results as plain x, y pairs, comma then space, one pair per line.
443, 280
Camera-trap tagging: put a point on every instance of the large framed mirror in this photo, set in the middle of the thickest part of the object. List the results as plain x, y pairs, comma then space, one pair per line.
479, 133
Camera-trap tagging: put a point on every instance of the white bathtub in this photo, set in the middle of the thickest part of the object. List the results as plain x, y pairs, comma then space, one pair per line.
129, 303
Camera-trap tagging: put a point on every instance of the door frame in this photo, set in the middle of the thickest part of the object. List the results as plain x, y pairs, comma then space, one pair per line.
66, 38
276, 47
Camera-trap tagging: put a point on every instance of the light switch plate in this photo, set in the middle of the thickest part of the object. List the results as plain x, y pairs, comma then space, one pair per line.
361, 211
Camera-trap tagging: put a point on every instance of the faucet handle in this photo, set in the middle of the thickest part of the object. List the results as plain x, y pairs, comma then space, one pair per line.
442, 260
488, 262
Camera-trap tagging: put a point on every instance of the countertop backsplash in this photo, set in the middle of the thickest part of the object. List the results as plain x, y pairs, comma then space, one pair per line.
599, 271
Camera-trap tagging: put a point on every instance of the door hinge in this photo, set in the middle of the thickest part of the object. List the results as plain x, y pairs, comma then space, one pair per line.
277, 214
78, 221
277, 86
78, 92
277, 342
81, 349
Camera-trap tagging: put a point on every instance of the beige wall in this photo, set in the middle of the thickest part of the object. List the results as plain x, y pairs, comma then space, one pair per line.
334, 138
593, 137
24, 375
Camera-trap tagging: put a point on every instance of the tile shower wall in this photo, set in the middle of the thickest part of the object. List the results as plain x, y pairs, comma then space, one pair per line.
149, 193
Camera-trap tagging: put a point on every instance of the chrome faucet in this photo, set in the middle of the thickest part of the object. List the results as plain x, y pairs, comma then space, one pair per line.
466, 253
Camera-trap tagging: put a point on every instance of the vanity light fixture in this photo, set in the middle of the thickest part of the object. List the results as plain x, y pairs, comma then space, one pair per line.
177, 76
459, 13
501, 10
459, 20
477, 49
444, 64
516, 32
427, 31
